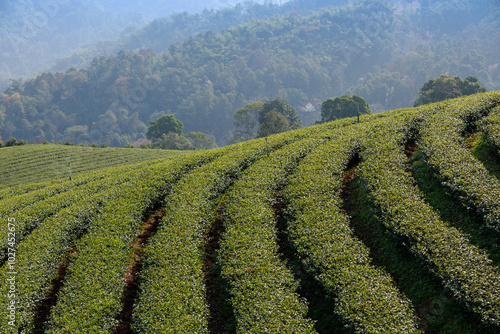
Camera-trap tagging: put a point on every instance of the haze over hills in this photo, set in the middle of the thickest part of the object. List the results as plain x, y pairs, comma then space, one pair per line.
35, 34
389, 225
379, 50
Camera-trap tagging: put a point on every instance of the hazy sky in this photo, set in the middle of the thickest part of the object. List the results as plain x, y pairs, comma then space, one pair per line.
35, 33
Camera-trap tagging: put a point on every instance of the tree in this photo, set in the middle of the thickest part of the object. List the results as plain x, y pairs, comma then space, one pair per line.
172, 141
447, 87
342, 107
246, 122
471, 85
11, 142
282, 107
76, 133
201, 140
15, 142
164, 125
274, 122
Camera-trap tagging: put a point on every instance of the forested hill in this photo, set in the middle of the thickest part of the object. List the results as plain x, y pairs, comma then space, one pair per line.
34, 34
159, 34
380, 52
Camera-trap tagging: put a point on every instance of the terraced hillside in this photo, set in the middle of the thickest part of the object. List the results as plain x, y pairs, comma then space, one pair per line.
387, 226
21, 165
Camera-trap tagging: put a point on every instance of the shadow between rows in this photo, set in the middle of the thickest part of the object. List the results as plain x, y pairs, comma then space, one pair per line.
437, 310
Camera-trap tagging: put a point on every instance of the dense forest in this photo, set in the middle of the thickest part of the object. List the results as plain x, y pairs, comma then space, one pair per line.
381, 51
35, 34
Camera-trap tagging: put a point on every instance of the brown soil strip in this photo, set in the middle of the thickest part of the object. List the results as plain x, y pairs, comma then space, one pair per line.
362, 231
131, 277
217, 296
44, 307
318, 299
285, 251
410, 148
350, 206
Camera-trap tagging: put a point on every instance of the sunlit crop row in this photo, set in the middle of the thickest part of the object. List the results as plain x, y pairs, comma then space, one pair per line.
463, 268
457, 168
103, 254
47, 191
368, 300
491, 128
172, 295
174, 261
31, 209
39, 254
261, 286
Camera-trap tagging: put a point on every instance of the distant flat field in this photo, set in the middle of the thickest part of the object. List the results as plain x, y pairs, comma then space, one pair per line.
38, 163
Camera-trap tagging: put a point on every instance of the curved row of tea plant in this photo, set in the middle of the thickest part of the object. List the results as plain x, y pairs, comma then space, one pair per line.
368, 300
490, 127
458, 169
261, 286
105, 250
190, 210
463, 268
107, 245
37, 163
15, 202
25, 188
35, 207
172, 298
38, 255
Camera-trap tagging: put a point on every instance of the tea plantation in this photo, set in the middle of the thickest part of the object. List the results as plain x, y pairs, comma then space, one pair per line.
390, 225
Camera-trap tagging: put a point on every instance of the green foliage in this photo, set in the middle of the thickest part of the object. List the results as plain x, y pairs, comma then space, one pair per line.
163, 126
342, 107
447, 87
174, 259
490, 127
464, 269
457, 168
2, 116
342, 264
39, 254
238, 190
172, 141
39, 163
15, 142
246, 122
76, 133
274, 122
261, 286
116, 229
281, 107
201, 140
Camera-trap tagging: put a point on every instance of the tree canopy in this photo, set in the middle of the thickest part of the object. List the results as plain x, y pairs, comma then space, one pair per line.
447, 87
163, 126
282, 107
201, 140
246, 122
274, 122
342, 107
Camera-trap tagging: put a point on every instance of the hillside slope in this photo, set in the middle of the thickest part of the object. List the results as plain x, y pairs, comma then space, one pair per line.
21, 165
331, 228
